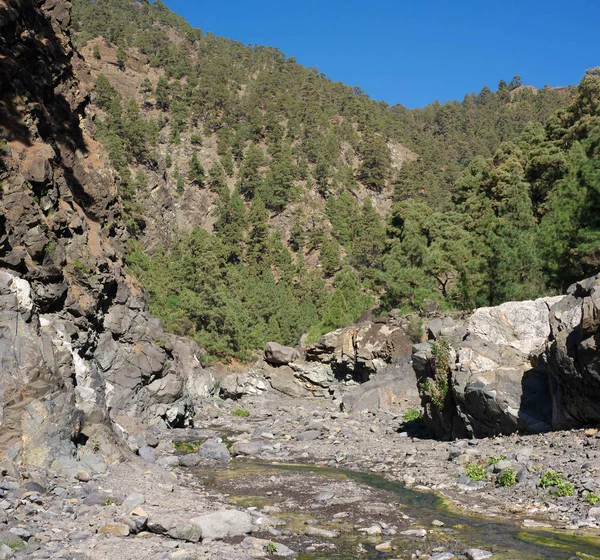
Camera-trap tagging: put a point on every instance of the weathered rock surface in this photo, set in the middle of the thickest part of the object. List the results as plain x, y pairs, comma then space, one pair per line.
224, 523
531, 366
77, 345
277, 354
490, 386
359, 351
573, 355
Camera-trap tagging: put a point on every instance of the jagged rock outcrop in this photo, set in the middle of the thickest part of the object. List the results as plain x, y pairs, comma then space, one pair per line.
359, 351
77, 344
573, 355
528, 366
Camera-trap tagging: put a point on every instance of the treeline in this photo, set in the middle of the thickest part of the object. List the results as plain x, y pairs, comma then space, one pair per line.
500, 204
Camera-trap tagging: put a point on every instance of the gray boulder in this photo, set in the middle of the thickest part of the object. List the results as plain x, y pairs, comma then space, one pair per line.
277, 354
314, 372
213, 451
224, 523
360, 351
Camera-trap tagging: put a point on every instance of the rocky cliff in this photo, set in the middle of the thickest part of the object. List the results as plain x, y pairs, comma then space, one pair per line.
78, 349
529, 366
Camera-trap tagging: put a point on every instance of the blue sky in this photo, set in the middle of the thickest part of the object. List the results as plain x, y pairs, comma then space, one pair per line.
414, 53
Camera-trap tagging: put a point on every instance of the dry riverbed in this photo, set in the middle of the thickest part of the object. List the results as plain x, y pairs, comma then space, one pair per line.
297, 487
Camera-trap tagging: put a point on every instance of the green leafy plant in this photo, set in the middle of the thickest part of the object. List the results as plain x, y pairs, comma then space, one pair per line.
556, 481
495, 459
475, 471
271, 547
550, 478
80, 266
411, 414
563, 488
111, 502
439, 385
592, 498
507, 478
241, 412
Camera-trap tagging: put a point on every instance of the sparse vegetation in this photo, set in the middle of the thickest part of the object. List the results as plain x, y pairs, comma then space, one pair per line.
495, 459
271, 548
80, 266
411, 415
241, 412
475, 471
592, 498
438, 387
507, 478
556, 481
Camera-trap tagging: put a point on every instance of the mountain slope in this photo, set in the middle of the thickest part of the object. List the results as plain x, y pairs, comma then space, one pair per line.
315, 197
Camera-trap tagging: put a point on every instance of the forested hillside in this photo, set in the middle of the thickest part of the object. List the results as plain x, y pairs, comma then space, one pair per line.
265, 201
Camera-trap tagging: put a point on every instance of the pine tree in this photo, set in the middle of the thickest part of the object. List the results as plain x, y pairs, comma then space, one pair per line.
196, 172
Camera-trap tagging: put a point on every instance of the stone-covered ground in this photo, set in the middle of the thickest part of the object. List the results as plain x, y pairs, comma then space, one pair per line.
142, 508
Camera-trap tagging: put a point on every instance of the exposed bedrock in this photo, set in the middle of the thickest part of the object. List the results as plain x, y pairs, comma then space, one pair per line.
528, 366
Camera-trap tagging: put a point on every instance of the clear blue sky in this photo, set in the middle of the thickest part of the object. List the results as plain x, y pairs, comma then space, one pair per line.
416, 52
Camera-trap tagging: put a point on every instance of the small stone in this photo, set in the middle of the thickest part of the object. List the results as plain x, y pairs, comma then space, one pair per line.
414, 533
83, 476
148, 454
320, 532
116, 529
152, 441
372, 530
529, 523
437, 523
133, 501
22, 533
477, 554
214, 451
384, 546
443, 556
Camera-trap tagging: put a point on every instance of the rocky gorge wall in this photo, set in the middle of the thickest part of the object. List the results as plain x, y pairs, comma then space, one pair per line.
78, 348
529, 366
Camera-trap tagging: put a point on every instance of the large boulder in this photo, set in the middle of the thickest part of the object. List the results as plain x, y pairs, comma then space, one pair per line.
277, 354
492, 380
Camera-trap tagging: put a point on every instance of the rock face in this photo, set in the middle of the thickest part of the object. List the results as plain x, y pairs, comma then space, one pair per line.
77, 345
359, 351
573, 355
485, 384
531, 366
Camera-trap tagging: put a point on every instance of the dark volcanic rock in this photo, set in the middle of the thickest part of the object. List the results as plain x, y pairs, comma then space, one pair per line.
77, 345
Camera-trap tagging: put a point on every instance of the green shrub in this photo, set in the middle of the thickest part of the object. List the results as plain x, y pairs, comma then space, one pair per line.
81, 266
271, 547
241, 412
411, 414
196, 139
495, 459
550, 478
556, 481
592, 498
507, 479
563, 488
475, 471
